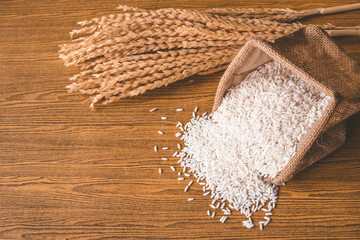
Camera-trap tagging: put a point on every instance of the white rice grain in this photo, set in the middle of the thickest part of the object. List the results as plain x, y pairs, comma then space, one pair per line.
263, 118
224, 218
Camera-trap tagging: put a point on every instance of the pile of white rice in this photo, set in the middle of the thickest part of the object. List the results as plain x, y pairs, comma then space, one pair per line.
251, 136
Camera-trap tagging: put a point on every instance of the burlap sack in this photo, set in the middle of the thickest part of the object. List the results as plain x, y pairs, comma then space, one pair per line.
314, 56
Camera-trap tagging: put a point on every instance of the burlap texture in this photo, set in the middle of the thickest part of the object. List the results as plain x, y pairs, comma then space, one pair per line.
315, 57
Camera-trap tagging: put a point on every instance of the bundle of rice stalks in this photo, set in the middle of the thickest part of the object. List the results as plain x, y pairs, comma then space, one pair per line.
125, 54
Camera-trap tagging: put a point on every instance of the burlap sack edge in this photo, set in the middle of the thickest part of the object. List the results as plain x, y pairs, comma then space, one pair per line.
325, 144
308, 140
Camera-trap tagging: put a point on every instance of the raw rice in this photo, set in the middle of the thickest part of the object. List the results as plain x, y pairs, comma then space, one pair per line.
163, 118
153, 109
165, 159
172, 168
179, 110
223, 219
160, 170
191, 199
251, 137
160, 132
165, 148
155, 148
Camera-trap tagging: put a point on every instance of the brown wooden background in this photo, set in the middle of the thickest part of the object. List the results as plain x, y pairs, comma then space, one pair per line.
70, 173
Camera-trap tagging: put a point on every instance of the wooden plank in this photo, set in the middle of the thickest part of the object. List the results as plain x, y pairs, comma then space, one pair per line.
67, 172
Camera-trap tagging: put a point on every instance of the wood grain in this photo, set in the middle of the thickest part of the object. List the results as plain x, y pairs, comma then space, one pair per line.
67, 172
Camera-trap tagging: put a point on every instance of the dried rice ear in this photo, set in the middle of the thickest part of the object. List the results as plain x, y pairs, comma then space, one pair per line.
312, 55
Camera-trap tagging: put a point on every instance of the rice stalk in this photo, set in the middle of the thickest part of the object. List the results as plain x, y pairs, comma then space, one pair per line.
126, 54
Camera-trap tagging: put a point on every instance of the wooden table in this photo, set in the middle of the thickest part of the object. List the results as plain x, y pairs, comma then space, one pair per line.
67, 172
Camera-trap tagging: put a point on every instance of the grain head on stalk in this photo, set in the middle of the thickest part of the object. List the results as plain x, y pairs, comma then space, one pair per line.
136, 50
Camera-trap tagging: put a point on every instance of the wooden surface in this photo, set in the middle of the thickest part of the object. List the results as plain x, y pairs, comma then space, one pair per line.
70, 173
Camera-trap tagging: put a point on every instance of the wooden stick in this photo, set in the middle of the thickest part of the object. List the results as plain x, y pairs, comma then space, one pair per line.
343, 32
330, 10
